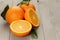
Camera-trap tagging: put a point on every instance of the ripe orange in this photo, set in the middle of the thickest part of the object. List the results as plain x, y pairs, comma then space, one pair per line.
25, 6
14, 13
31, 5
20, 27
32, 17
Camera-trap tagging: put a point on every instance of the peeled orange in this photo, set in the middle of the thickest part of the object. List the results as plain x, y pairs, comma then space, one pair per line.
31, 16
20, 27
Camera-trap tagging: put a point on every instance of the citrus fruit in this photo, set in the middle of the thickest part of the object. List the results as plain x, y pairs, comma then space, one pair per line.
31, 5
32, 17
20, 27
14, 13
26, 6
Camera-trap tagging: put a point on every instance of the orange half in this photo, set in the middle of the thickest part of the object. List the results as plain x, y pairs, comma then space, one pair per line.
32, 17
20, 27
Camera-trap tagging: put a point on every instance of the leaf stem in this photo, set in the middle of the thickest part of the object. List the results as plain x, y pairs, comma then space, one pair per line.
28, 2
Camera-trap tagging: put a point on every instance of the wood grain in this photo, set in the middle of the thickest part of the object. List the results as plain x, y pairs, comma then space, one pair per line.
48, 12
4, 27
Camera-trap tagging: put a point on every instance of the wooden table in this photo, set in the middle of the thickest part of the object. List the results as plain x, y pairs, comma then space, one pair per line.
49, 15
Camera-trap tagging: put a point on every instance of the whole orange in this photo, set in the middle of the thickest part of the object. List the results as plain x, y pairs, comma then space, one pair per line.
14, 13
26, 6
31, 5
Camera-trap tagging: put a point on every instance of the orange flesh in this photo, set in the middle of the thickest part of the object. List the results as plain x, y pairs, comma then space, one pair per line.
33, 17
21, 26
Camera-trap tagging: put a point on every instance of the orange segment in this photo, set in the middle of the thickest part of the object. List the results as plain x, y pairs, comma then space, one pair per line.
20, 27
32, 17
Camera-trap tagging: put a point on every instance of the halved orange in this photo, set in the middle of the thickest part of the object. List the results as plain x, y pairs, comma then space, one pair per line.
20, 27
31, 16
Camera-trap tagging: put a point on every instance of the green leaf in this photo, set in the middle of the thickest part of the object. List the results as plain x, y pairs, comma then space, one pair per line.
26, 0
23, 2
34, 33
20, 3
4, 11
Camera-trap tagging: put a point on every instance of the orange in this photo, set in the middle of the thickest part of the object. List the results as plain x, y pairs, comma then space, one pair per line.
32, 17
20, 27
14, 13
25, 6
31, 5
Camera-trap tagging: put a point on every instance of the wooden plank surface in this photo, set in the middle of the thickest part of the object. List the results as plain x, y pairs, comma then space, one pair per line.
49, 29
50, 16
48, 12
4, 27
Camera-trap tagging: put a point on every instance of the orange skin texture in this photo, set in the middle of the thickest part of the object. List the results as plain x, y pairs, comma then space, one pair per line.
31, 6
21, 34
25, 6
14, 13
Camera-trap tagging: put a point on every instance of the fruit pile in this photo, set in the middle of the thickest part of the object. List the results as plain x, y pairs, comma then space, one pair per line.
22, 18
